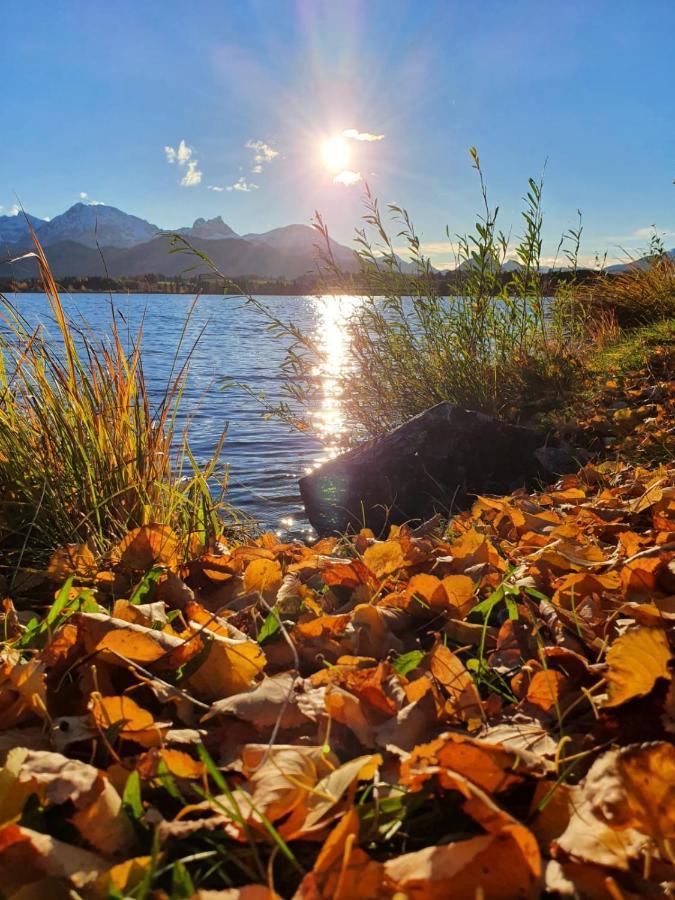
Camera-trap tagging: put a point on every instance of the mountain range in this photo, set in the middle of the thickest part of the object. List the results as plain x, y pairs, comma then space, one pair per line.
95, 239
99, 240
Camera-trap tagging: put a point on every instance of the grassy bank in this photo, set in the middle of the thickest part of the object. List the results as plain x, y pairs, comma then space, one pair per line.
84, 456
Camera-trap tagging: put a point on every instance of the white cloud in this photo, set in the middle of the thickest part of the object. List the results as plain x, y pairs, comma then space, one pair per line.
646, 233
214, 187
241, 185
640, 234
183, 156
83, 195
262, 154
180, 155
193, 176
355, 135
347, 178
14, 210
438, 248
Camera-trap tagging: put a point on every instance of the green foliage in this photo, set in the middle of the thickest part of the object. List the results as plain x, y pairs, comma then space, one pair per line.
407, 662
495, 346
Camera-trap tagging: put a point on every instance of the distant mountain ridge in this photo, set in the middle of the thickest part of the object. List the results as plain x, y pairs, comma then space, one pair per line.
88, 240
96, 239
14, 229
641, 263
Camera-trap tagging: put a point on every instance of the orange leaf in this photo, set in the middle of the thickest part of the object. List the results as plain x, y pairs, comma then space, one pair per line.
73, 559
449, 670
635, 661
131, 721
147, 546
384, 558
262, 576
342, 870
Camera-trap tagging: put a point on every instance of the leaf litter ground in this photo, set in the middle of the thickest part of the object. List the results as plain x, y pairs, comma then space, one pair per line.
480, 708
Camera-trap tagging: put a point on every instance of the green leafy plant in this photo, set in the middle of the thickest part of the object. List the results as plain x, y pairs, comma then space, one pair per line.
493, 345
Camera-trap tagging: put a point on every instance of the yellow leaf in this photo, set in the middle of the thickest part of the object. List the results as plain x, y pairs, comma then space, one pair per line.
230, 667
262, 576
123, 877
147, 546
384, 558
131, 721
635, 661
459, 591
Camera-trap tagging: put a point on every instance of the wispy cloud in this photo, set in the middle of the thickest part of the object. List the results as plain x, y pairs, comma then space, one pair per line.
84, 196
183, 155
348, 178
241, 184
193, 176
640, 234
214, 187
14, 210
442, 254
262, 154
353, 135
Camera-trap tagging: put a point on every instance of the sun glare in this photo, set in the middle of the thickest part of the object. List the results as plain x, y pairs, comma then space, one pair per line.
335, 154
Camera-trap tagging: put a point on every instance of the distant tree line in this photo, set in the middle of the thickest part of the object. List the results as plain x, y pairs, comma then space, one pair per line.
446, 283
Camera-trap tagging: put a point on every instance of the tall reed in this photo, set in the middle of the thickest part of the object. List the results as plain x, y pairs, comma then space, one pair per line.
644, 292
84, 455
493, 345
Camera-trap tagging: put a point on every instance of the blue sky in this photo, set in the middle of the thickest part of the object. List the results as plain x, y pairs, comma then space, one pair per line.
94, 93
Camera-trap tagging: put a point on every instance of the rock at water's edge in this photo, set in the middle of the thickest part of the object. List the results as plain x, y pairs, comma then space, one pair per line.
433, 463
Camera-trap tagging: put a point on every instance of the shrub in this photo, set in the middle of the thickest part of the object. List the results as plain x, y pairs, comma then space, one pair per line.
641, 294
83, 457
493, 346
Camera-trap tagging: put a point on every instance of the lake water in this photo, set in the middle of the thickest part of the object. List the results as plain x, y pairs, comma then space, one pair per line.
265, 457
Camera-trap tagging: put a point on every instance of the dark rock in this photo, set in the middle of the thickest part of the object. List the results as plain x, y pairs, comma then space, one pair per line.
435, 462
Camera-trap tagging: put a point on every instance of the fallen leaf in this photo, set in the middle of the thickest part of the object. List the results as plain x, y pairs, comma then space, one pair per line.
127, 720
635, 662
262, 576
384, 558
147, 546
451, 673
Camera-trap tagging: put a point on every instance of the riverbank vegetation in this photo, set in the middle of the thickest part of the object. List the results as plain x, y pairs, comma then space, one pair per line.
310, 284
500, 343
477, 705
85, 454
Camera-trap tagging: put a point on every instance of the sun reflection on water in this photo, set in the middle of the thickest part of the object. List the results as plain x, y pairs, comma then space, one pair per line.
332, 334
331, 315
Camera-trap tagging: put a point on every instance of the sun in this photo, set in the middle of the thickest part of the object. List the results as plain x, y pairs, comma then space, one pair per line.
335, 154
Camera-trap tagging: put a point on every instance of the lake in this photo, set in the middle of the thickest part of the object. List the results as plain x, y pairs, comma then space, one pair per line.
265, 457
